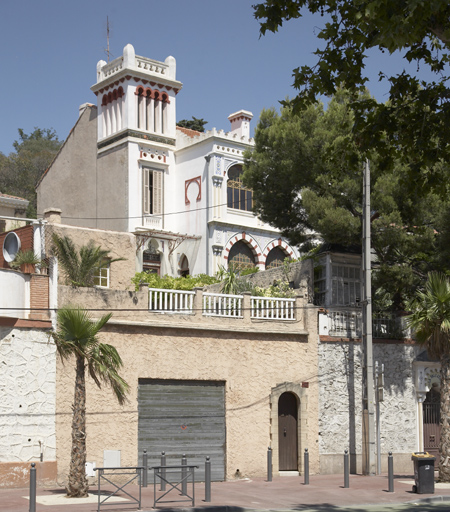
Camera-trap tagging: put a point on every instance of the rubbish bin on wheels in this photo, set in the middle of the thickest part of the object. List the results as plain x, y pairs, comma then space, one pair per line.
423, 472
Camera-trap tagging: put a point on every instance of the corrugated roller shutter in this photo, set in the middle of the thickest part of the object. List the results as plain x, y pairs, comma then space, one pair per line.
180, 417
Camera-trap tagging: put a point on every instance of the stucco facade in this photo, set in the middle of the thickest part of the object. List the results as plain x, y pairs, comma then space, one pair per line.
340, 403
27, 404
253, 358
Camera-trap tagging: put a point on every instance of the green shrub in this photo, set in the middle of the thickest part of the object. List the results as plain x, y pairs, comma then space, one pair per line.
172, 283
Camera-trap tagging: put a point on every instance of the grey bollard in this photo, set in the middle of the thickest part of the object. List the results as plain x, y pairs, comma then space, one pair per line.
184, 475
346, 470
306, 467
33, 487
269, 464
163, 471
145, 470
207, 480
391, 472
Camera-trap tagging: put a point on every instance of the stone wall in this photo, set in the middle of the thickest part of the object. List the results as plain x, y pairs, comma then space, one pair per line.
300, 273
27, 405
340, 404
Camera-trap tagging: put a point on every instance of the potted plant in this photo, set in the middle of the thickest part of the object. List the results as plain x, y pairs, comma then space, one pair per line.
26, 260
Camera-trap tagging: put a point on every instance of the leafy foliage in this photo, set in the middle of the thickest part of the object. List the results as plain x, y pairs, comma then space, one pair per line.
414, 125
21, 170
172, 283
193, 124
79, 266
306, 175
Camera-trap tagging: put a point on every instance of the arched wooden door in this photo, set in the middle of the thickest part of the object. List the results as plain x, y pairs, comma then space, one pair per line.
287, 432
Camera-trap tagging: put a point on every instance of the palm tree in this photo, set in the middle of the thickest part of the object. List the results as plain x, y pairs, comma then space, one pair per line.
77, 337
430, 320
80, 266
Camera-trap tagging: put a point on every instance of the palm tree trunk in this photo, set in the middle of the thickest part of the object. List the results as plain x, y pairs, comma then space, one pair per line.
444, 448
78, 484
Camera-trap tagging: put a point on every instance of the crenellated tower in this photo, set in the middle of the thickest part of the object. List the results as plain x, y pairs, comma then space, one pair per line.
136, 98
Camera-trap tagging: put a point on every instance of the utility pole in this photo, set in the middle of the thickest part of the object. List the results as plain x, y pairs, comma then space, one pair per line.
368, 416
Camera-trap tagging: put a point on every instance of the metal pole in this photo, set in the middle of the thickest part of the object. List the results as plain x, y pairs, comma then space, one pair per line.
163, 471
391, 472
368, 423
269, 464
377, 410
33, 487
346, 471
145, 473
207, 480
306, 482
183, 475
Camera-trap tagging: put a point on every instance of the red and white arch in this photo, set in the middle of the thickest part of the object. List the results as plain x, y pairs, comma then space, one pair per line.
286, 248
251, 242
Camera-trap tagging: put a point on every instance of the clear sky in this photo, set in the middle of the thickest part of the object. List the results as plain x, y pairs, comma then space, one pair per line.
50, 48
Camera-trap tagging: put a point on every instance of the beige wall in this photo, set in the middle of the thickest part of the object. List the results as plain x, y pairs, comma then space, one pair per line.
253, 358
70, 183
119, 244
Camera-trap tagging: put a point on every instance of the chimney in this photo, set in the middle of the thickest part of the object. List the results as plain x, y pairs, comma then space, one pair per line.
240, 123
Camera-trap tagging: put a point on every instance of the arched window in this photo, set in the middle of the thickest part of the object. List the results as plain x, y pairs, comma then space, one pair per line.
152, 258
275, 258
241, 257
238, 196
184, 266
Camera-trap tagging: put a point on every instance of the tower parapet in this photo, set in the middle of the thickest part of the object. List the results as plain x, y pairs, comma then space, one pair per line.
136, 93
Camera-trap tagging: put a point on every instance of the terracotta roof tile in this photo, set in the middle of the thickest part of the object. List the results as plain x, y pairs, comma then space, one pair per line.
12, 197
189, 132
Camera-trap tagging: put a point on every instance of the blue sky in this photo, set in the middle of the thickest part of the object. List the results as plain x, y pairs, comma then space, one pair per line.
50, 48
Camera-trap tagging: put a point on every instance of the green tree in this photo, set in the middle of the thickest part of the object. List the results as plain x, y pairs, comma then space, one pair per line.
80, 266
306, 175
414, 125
430, 320
193, 124
76, 338
21, 170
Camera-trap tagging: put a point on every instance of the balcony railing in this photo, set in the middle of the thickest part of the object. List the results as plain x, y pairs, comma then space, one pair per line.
271, 308
171, 301
348, 324
219, 304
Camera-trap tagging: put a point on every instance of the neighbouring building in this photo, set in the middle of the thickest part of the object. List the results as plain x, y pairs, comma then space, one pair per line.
11, 210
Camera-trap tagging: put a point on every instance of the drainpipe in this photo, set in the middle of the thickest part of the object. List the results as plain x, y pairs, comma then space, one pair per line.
208, 159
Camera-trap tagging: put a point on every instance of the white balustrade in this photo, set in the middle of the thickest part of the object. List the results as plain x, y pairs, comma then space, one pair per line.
171, 301
220, 304
271, 308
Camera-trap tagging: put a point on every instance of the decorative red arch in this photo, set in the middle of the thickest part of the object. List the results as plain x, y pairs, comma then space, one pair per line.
251, 242
278, 243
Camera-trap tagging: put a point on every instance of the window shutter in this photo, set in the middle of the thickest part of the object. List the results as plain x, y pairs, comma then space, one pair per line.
145, 190
157, 192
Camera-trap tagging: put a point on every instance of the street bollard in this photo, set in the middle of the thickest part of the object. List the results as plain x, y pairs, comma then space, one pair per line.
391, 472
33, 487
184, 475
306, 482
269, 464
163, 471
145, 464
207, 480
346, 470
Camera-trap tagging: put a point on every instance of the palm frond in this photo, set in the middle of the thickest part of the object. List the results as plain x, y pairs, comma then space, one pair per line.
430, 315
104, 363
79, 267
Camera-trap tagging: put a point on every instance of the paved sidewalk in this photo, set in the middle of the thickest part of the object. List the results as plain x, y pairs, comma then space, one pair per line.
325, 493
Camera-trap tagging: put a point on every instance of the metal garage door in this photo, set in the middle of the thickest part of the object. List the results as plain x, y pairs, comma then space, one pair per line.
183, 417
